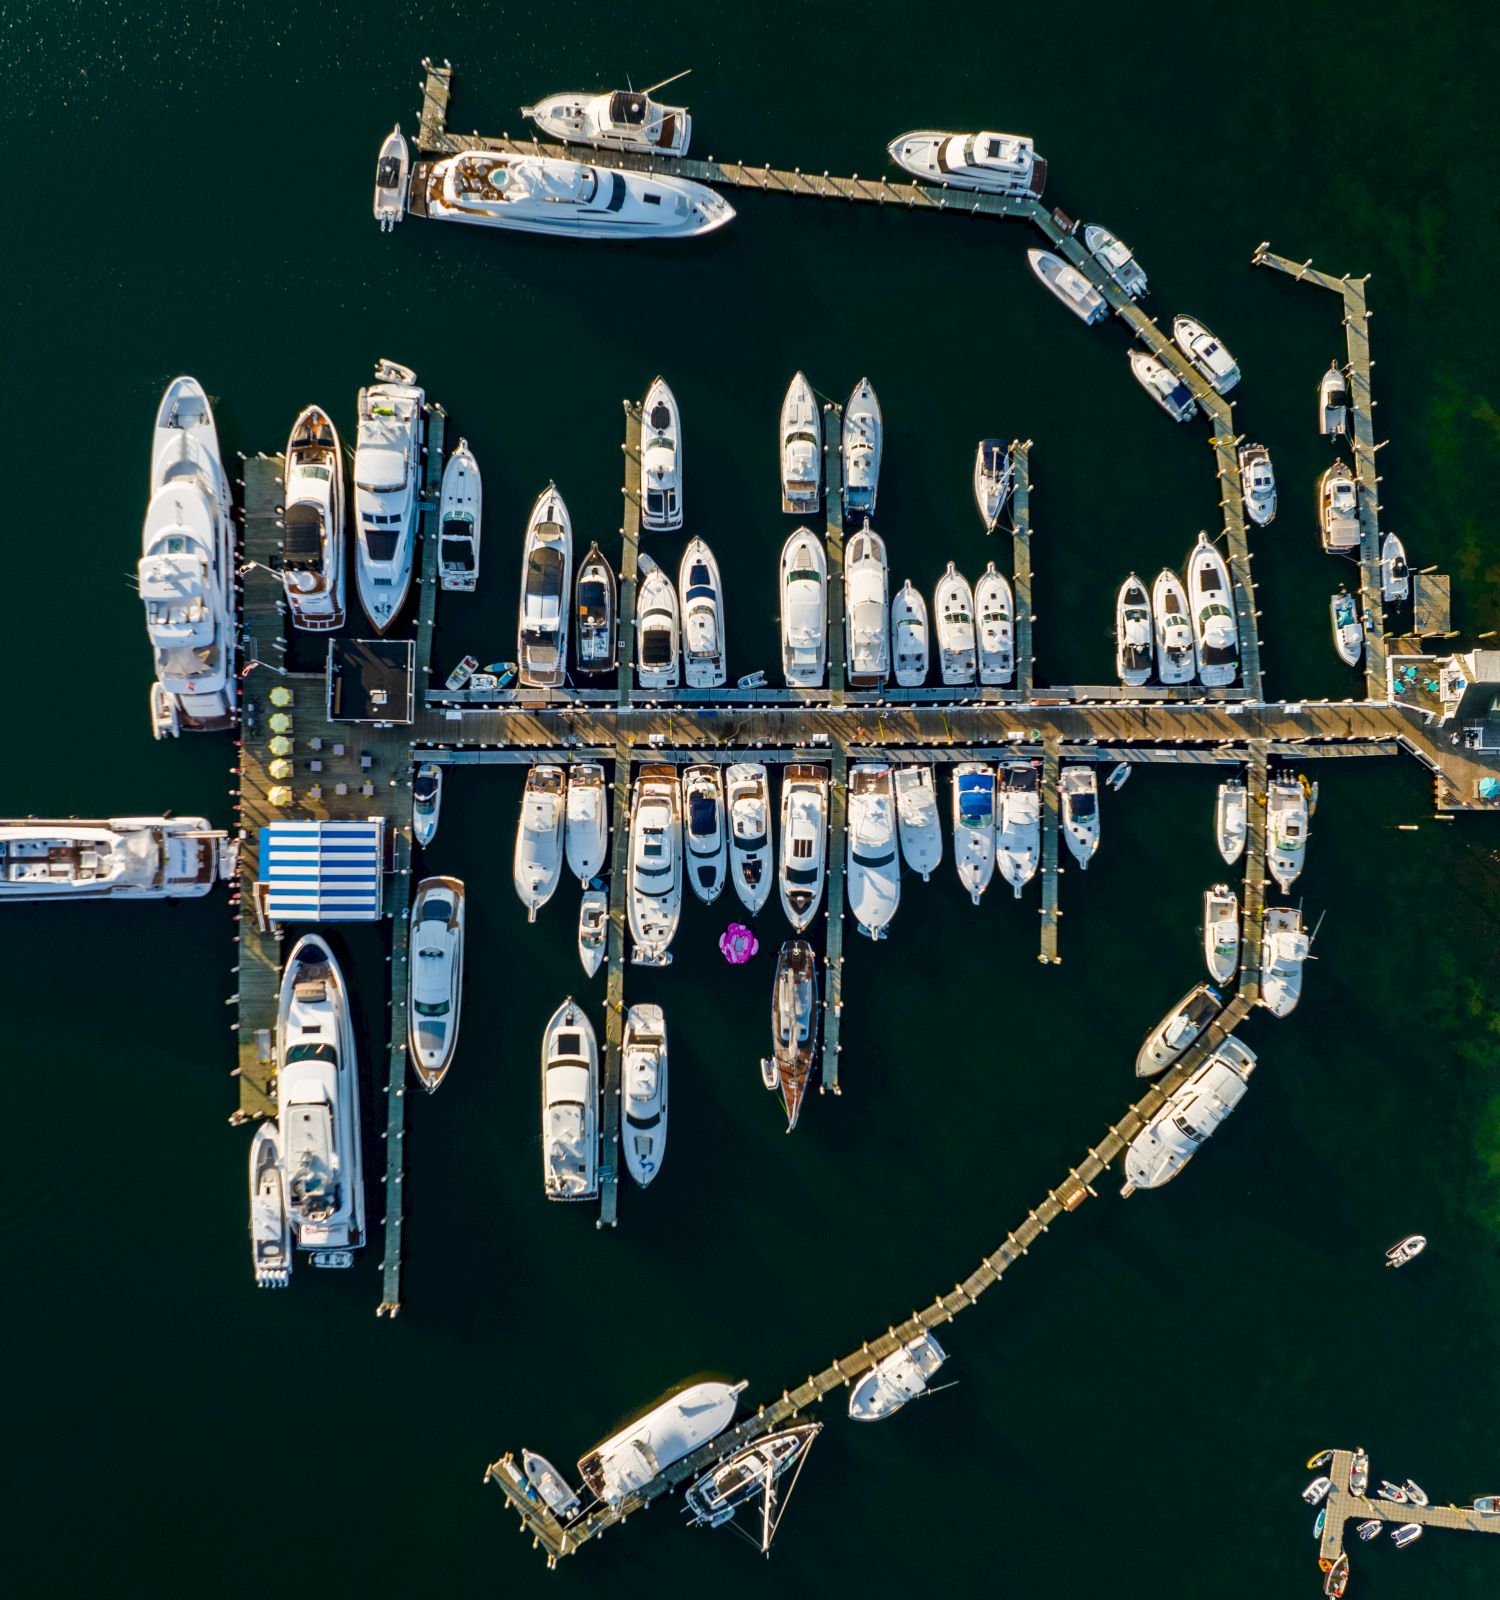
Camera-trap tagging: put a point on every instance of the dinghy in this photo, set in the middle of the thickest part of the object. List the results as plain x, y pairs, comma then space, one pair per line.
1175, 661
992, 480
1348, 630
749, 799
974, 826
863, 440
702, 592
657, 628
801, 449
1133, 644
917, 817
661, 460
996, 608
1221, 932
1078, 795
909, 635
954, 604
458, 522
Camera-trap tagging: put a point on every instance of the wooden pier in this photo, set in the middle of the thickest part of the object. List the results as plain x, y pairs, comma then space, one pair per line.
1051, 828
833, 974
1344, 1506
1020, 515
833, 538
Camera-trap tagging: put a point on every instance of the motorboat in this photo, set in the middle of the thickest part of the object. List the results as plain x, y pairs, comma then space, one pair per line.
1407, 1533
1336, 1580
658, 631
544, 194
1117, 259
1284, 947
892, 1381
586, 825
1069, 285
1415, 1493
1348, 629
1175, 660
974, 816
1371, 1529
1287, 827
186, 573
317, 1097
435, 978
794, 1025
593, 929
1333, 402
570, 1105
1321, 1459
992, 163
1133, 633
661, 460
995, 607
704, 831
1317, 1490
270, 1232
867, 635
463, 672
595, 638
1359, 1473
643, 1092
654, 897
1018, 838
1206, 353
546, 584
387, 490
1395, 575
119, 858
1231, 819
459, 508
801, 449
1407, 1249
615, 119
1216, 637
909, 636
1191, 1114
1078, 797
804, 841
1221, 932
702, 598
1338, 509
993, 473
312, 523
1392, 1492
1164, 386
1179, 1030
954, 605
539, 837
917, 819
641, 1451
392, 179
749, 1475
804, 610
862, 442
1257, 484
748, 793
872, 875
555, 1493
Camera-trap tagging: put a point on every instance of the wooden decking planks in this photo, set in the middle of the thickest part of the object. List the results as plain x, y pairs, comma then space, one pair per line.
1253, 894
833, 459
1020, 514
833, 978
1050, 865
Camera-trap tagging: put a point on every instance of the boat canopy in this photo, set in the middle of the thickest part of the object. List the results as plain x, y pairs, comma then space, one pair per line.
322, 871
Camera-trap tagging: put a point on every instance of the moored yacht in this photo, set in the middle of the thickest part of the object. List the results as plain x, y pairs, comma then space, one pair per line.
1133, 654
270, 1232
899, 1377
794, 1025
1348, 630
953, 602
1231, 819
1192, 1113
123, 858
1284, 948
312, 552
1257, 484
873, 862
1288, 816
658, 629
704, 834
1069, 285
1117, 260
1206, 353
1216, 637
586, 827
702, 597
654, 895
1221, 932
539, 837
546, 583
1164, 386
661, 460
459, 522
643, 1092
1175, 661
557, 1494
917, 819
1395, 576
616, 119
993, 163
748, 793
995, 607
804, 610
1018, 838
595, 639
570, 1105
801, 448
1179, 1030
992, 480
628, 1460
1333, 402
1338, 508
1078, 795
974, 814
866, 609
387, 490
863, 440
909, 637
392, 179
435, 977
804, 841
593, 928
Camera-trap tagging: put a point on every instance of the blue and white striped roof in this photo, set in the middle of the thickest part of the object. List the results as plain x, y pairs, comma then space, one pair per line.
322, 871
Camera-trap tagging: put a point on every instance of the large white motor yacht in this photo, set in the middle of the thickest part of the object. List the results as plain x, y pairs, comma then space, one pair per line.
654, 896
901, 1376
270, 1231
1069, 285
312, 556
1164, 386
917, 817
1018, 839
954, 604
1117, 260
996, 609
867, 609
630, 1459
1175, 661
661, 460
387, 490
1206, 353
801, 449
643, 1092
658, 630
863, 443
1192, 1113
539, 837
750, 852
1338, 508
1133, 656
1216, 635
1179, 1030
993, 163
873, 860
1078, 796
570, 1105
436, 977
804, 841
705, 836
122, 858
910, 637
617, 119
546, 586
1287, 824
426, 802
587, 826
1257, 484
1284, 950
974, 817
702, 596
459, 522
804, 610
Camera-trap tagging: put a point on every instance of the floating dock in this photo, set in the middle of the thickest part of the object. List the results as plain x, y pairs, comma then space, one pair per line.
1343, 1506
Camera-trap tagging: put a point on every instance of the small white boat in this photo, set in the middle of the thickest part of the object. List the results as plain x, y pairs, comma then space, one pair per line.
873, 861
704, 833
995, 606
1288, 818
804, 610
1392, 1492
899, 1377
1221, 932
586, 827
546, 587
392, 179
867, 638
539, 837
1119, 775
1371, 1529
570, 1105
595, 639
1133, 633
1069, 285
1117, 260
458, 522
1078, 795
642, 1450
1164, 386
426, 802
312, 521
992, 480
1257, 484
593, 929
862, 443
801, 449
616, 119
1415, 1493
654, 898
748, 793
1338, 509
804, 841
1333, 402
270, 1232
974, 820
954, 605
702, 594
1206, 353
1216, 635
1175, 661
387, 490
1407, 1533
993, 163
1359, 1472
909, 636
643, 1092
550, 1484
661, 460
658, 629
1348, 630
1231, 819
463, 672
1190, 1116
1179, 1030
1316, 1491
1018, 838
1407, 1249
1395, 575
1487, 1505
917, 819
435, 977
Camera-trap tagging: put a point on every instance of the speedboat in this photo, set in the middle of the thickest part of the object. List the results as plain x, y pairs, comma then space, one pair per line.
1164, 386
702, 593
1395, 575
1216, 637
1407, 1249
974, 826
801, 449
1018, 839
1069, 285
1206, 353
628, 1460
749, 800
1316, 1490
542, 194
458, 522
570, 1105
1190, 1115
546, 583
863, 440
992, 480
616, 119
1231, 819
121, 858
1257, 484
270, 1232
1407, 1533
317, 1096
804, 841
561, 1500
804, 610
387, 490
704, 836
643, 1092
1359, 1473
1415, 1493
899, 1377
794, 1025
954, 604
1175, 661
993, 163
1133, 641
917, 820
658, 628
312, 521
661, 460
1078, 795
595, 639
539, 837
1392, 1492
996, 609
1371, 1529
1117, 260
1221, 932
593, 928
750, 1474
1348, 630
654, 898
909, 636
1333, 402
873, 863
867, 636
435, 976
586, 827
1179, 1030
392, 179
186, 572
1338, 508
1287, 827
1336, 1580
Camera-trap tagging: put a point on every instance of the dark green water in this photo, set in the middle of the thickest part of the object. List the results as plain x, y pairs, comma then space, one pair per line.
190, 192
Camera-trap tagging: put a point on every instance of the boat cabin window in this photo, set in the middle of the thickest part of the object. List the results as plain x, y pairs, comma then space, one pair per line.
312, 1052
874, 861
617, 192
802, 874
569, 1044
424, 1008
1084, 805
381, 543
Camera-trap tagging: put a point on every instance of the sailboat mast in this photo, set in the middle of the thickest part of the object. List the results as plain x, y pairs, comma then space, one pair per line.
766, 1530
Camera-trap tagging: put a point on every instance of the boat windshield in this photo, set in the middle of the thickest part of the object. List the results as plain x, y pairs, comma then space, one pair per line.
424, 1008
874, 861
312, 1052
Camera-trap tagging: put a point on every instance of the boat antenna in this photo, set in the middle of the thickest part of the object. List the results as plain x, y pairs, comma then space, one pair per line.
665, 81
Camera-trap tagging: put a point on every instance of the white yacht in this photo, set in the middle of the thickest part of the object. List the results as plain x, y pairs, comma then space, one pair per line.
702, 592
804, 841
1078, 795
186, 571
801, 449
974, 822
658, 629
804, 610
435, 973
661, 460
586, 826
993, 473
1206, 353
953, 602
1018, 838
1257, 484
750, 1475
1069, 285
1287, 826
546, 584
617, 119
1231, 819
909, 636
539, 837
993, 163
1348, 629
317, 1096
917, 817
387, 490
1164, 386
1333, 402
1338, 509
458, 522
312, 553
426, 802
1221, 932
1284, 947
1117, 260
654, 898
1133, 633
123, 858
1395, 575
794, 1027
628, 1460
899, 1377
270, 1231
593, 928
705, 835
557, 1494
541, 194
643, 1092
595, 638
748, 793
863, 441
1193, 1111
1179, 1030
996, 608
1216, 636
867, 638
392, 179
1175, 661
570, 1105
873, 861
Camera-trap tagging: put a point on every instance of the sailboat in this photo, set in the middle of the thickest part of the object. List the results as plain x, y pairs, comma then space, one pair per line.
992, 480
750, 1477
794, 1024
801, 449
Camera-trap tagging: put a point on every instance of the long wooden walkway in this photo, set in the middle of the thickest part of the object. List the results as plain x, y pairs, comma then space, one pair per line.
1344, 1506
1050, 866
1020, 515
1253, 893
833, 968
833, 538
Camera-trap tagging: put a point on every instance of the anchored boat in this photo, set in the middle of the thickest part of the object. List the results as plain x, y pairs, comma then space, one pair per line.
866, 610
993, 163
550, 1484
1333, 402
804, 841
794, 1025
954, 603
1179, 1030
751, 1475
1216, 635
435, 978
596, 614
312, 520
801, 449
661, 460
899, 1377
122, 858
1317, 1490
863, 440
546, 583
909, 636
458, 522
1069, 285
917, 819
1338, 509
658, 629
1018, 840
974, 813
616, 119
1348, 630
270, 1232
1164, 386
1395, 575
873, 864
1257, 484
1231, 820
654, 898
593, 928
570, 1105
1191, 1115
387, 490
748, 792
702, 592
392, 179
996, 607
539, 837
643, 1092
1287, 827
628, 1460
1407, 1249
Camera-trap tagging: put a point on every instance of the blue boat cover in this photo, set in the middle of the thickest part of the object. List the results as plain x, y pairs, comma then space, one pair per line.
322, 871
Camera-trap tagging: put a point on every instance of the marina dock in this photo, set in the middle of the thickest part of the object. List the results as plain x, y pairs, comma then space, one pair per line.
1343, 1506
1051, 828
1020, 514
